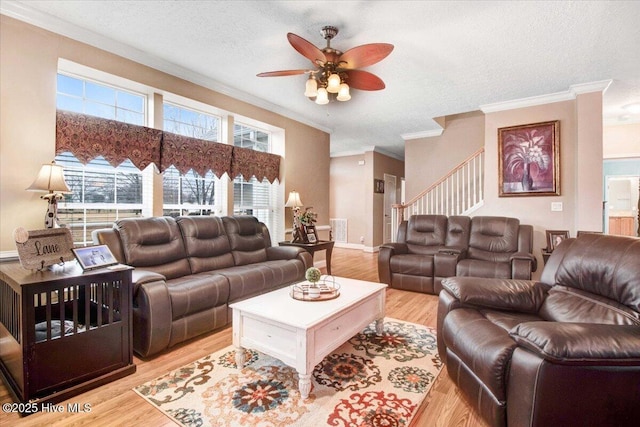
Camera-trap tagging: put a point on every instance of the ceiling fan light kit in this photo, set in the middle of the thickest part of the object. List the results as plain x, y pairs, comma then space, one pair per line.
335, 72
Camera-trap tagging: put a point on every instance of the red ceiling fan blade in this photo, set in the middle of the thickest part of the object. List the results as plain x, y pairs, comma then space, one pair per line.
365, 55
282, 73
364, 80
306, 49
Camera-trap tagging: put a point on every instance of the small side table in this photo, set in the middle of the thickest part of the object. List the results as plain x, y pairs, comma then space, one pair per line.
322, 245
545, 255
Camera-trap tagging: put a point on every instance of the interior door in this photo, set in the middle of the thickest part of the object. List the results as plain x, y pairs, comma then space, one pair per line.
390, 199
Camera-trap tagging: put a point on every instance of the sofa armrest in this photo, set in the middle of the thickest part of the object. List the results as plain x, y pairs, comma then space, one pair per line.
290, 252
140, 276
453, 250
152, 316
283, 252
387, 250
395, 248
502, 294
522, 265
580, 343
445, 262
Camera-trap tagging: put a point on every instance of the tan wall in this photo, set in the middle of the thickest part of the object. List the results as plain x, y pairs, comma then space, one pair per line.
383, 165
347, 195
621, 141
580, 164
352, 195
429, 159
29, 58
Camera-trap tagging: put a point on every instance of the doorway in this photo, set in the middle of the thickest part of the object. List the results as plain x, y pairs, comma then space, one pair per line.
390, 199
622, 195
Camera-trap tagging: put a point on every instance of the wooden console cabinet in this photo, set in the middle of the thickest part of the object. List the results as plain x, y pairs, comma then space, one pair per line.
622, 225
63, 331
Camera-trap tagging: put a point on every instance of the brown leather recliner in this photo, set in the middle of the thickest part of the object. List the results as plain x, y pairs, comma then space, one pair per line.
190, 269
430, 248
562, 351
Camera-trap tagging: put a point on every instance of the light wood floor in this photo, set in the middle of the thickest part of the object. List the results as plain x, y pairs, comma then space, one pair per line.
115, 404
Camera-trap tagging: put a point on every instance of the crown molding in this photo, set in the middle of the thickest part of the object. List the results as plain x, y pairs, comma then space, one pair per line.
364, 150
568, 95
423, 134
56, 25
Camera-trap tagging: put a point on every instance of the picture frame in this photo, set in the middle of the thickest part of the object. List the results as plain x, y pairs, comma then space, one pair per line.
529, 160
311, 234
555, 237
583, 232
92, 257
378, 186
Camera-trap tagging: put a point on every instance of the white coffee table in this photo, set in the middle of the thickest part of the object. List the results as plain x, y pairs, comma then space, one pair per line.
302, 333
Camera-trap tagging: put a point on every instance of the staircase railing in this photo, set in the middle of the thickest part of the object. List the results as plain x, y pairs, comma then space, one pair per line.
459, 192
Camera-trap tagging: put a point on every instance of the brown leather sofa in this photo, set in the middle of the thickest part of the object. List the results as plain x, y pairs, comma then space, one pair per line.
189, 269
562, 351
430, 248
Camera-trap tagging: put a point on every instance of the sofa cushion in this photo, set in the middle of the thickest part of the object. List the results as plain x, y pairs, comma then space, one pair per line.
197, 292
248, 280
565, 304
206, 243
493, 238
417, 265
154, 244
479, 268
425, 233
602, 265
246, 239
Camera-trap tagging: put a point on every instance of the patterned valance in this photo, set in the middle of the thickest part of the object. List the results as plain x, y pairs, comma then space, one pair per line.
187, 153
88, 137
250, 163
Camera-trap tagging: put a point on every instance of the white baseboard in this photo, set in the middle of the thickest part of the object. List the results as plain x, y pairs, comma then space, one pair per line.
359, 246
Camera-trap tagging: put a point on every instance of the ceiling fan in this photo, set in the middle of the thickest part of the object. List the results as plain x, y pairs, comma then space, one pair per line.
335, 72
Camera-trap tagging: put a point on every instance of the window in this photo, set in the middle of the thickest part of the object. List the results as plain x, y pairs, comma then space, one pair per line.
191, 194
253, 197
101, 193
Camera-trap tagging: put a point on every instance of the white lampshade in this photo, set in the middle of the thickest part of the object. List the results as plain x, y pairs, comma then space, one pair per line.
294, 200
311, 88
343, 93
51, 179
323, 96
333, 83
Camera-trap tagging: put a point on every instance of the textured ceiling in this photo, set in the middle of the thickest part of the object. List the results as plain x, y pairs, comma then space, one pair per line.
449, 57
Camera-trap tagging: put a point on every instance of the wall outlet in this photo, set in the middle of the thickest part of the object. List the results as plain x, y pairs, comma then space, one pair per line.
361, 239
556, 207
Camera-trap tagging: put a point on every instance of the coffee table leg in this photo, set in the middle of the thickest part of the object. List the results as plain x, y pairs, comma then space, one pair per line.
379, 326
240, 359
304, 384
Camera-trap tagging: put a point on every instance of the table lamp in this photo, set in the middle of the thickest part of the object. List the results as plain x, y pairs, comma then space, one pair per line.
51, 179
295, 203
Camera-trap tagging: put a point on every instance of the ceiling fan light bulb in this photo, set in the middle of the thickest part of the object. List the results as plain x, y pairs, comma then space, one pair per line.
343, 93
323, 96
333, 83
311, 88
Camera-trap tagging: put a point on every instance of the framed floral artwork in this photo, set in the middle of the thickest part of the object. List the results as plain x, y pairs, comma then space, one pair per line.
529, 160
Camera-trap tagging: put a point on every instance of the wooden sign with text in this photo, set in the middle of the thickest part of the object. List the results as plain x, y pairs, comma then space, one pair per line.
41, 248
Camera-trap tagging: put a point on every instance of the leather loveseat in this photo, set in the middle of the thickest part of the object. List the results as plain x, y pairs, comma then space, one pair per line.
189, 269
430, 248
562, 351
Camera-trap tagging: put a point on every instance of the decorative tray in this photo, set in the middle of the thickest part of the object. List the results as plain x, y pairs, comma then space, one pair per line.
325, 289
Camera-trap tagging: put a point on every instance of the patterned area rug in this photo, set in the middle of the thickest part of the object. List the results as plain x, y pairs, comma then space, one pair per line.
369, 381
